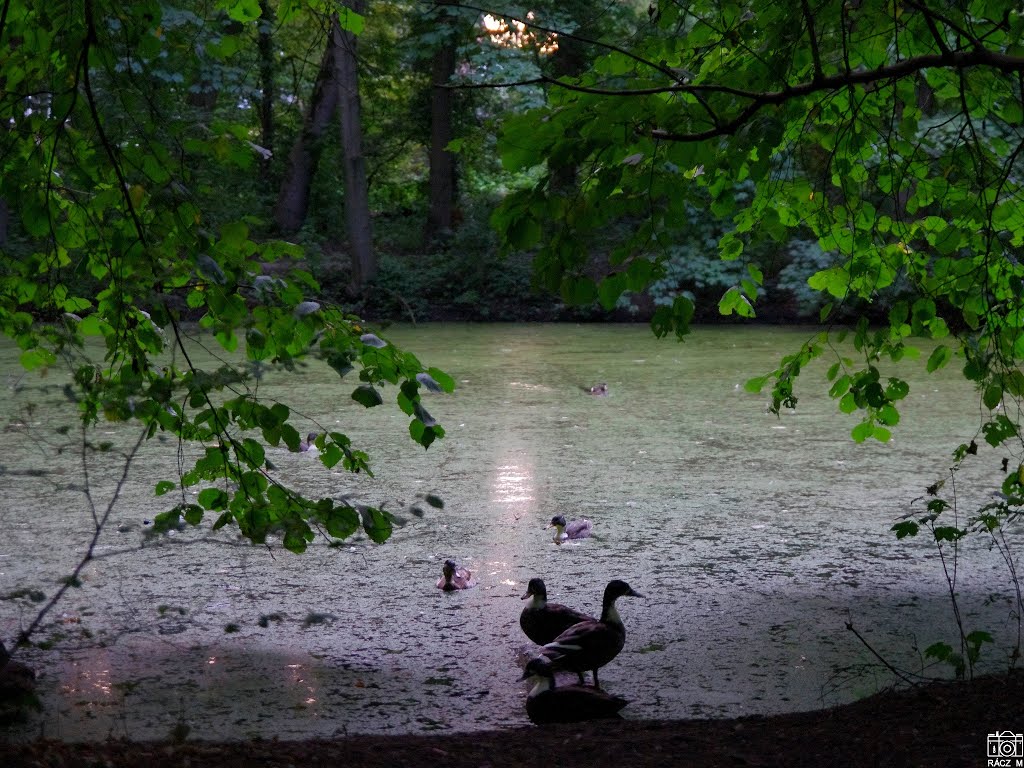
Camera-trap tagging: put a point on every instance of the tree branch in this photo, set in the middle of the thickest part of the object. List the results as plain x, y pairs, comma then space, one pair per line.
99, 523
90, 38
819, 73
760, 99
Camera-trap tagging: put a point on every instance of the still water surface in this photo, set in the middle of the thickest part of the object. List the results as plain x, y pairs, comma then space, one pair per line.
754, 539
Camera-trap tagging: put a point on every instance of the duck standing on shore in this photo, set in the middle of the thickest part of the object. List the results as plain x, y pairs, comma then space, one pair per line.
543, 621
17, 689
589, 645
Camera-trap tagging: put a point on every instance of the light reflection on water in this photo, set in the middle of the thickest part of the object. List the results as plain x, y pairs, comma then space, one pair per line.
755, 540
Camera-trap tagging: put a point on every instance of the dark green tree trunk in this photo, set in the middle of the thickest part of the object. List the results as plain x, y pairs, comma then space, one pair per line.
293, 197
441, 216
357, 197
268, 92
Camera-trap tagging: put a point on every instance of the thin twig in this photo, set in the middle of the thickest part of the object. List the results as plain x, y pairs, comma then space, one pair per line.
99, 523
899, 673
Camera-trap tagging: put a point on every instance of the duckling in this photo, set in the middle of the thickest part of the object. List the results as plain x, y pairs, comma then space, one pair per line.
547, 703
454, 577
592, 644
574, 529
543, 621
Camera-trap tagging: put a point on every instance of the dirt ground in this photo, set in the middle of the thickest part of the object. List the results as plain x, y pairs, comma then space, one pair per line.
937, 725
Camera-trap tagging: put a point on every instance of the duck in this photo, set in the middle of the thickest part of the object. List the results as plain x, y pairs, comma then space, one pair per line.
17, 689
543, 621
309, 444
574, 529
589, 645
547, 703
598, 390
454, 578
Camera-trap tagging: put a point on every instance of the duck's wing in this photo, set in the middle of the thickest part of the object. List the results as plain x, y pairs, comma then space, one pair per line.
579, 529
579, 638
587, 645
566, 615
543, 625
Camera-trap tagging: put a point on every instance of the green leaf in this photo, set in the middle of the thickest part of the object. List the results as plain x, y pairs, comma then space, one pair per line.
213, 498
948, 533
579, 291
37, 358
940, 651
610, 289
367, 396
193, 514
341, 522
756, 384
377, 524
242, 10
163, 487
939, 357
446, 382
862, 431
905, 528
523, 233
350, 21
993, 396
978, 636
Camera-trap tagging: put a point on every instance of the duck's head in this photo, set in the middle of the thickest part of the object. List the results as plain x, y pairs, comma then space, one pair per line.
558, 521
536, 589
448, 569
538, 666
618, 588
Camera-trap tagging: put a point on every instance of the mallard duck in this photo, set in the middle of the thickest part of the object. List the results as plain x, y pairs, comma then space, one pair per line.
17, 688
574, 529
598, 390
454, 578
309, 443
590, 645
547, 703
543, 621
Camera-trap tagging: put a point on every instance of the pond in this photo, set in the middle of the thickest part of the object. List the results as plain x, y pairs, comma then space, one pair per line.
755, 540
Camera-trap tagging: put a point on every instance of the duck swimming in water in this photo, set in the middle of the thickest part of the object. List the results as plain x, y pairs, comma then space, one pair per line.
599, 390
547, 703
589, 645
309, 443
543, 621
574, 529
454, 578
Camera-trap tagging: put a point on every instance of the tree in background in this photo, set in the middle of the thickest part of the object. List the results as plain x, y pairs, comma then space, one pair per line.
887, 134
357, 201
118, 150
